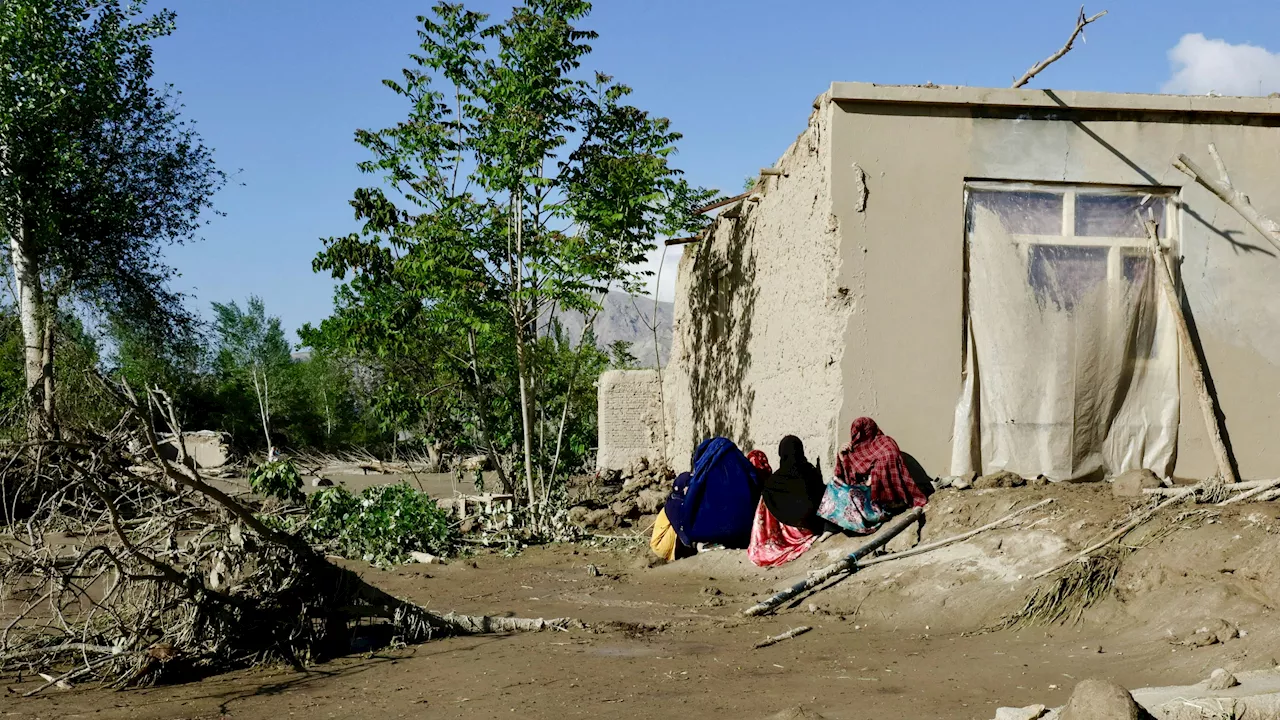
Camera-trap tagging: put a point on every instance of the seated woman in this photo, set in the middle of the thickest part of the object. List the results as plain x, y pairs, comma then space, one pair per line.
716, 503
871, 481
664, 541
787, 521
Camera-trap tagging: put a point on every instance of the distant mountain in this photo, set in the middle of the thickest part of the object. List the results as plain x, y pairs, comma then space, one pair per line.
624, 317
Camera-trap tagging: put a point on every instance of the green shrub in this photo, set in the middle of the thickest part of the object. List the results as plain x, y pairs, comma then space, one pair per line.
383, 525
278, 479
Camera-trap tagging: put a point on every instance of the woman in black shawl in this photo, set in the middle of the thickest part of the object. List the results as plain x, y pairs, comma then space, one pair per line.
787, 521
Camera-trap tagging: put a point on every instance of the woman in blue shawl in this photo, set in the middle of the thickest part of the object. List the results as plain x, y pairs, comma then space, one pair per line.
716, 503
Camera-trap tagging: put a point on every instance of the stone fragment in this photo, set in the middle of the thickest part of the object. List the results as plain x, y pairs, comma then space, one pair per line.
1133, 482
1002, 479
1095, 699
1221, 680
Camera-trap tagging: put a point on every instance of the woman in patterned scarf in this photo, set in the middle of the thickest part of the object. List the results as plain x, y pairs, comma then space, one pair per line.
871, 481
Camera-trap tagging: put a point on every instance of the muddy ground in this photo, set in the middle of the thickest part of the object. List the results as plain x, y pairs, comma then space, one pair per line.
904, 639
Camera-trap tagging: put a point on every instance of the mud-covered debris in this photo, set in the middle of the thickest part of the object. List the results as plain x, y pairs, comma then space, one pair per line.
1002, 479
1095, 699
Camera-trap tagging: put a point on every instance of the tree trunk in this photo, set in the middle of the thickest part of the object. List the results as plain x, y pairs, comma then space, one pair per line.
263, 410
522, 364
31, 315
47, 341
482, 415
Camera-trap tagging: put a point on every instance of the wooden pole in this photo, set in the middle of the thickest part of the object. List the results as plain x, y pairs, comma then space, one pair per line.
1120, 533
847, 563
1269, 485
919, 549
793, 632
1227, 192
1208, 406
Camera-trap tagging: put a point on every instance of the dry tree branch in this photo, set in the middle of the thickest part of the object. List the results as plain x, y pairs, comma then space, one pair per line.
184, 574
1036, 69
1227, 192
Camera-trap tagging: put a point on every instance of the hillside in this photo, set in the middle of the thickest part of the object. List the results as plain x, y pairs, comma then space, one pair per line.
624, 317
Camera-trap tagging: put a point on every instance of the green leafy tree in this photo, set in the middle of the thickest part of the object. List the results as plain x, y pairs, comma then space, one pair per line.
253, 354
515, 185
97, 173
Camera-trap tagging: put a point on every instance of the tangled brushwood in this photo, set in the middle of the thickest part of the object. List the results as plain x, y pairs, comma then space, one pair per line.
1076, 588
130, 568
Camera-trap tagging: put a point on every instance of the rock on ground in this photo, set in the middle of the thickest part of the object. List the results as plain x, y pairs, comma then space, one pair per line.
651, 501
1095, 699
1031, 712
1132, 483
1221, 680
1002, 479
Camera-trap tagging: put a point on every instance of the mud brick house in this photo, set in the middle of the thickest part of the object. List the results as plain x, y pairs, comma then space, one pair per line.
970, 267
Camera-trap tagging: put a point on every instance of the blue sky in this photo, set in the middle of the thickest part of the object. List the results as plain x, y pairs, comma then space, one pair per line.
277, 88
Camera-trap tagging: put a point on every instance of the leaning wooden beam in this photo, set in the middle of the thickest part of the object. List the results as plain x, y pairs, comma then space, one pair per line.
1208, 406
1040, 66
919, 549
1227, 192
847, 563
684, 240
721, 203
1121, 532
793, 632
1269, 485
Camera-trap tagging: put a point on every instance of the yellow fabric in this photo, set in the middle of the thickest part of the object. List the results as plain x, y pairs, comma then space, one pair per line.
663, 541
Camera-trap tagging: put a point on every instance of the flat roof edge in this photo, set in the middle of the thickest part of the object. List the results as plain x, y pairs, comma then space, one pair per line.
1051, 99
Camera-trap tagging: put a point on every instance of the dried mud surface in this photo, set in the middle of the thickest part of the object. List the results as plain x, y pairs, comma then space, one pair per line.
899, 639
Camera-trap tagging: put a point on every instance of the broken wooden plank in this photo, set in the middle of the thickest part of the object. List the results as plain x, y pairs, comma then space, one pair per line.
1208, 404
684, 240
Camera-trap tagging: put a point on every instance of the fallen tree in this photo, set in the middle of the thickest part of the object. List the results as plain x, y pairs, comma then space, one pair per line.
134, 568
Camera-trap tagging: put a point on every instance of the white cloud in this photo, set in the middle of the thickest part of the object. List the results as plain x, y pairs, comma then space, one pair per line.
667, 289
1201, 66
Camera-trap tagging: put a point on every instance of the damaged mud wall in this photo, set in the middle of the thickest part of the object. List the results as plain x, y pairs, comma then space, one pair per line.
759, 318
630, 419
900, 159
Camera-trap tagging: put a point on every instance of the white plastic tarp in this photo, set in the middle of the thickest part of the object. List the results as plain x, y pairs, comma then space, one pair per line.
1071, 362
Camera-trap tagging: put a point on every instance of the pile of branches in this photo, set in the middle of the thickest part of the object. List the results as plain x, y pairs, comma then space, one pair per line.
134, 569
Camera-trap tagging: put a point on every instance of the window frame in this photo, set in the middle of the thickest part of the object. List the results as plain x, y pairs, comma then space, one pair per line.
1118, 247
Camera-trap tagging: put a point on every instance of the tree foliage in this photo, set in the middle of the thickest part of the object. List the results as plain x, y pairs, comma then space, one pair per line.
516, 185
97, 173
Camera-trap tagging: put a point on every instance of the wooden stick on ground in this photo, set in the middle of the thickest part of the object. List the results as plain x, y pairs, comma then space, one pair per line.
1121, 532
793, 632
845, 564
1269, 485
1040, 66
1234, 487
1208, 406
955, 538
1227, 192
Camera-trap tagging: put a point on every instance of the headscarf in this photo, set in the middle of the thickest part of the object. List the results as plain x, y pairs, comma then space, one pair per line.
720, 501
760, 462
875, 455
793, 493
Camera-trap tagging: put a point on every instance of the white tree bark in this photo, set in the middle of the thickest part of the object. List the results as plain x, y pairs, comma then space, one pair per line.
31, 317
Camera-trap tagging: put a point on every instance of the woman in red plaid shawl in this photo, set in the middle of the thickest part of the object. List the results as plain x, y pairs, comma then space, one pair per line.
871, 481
